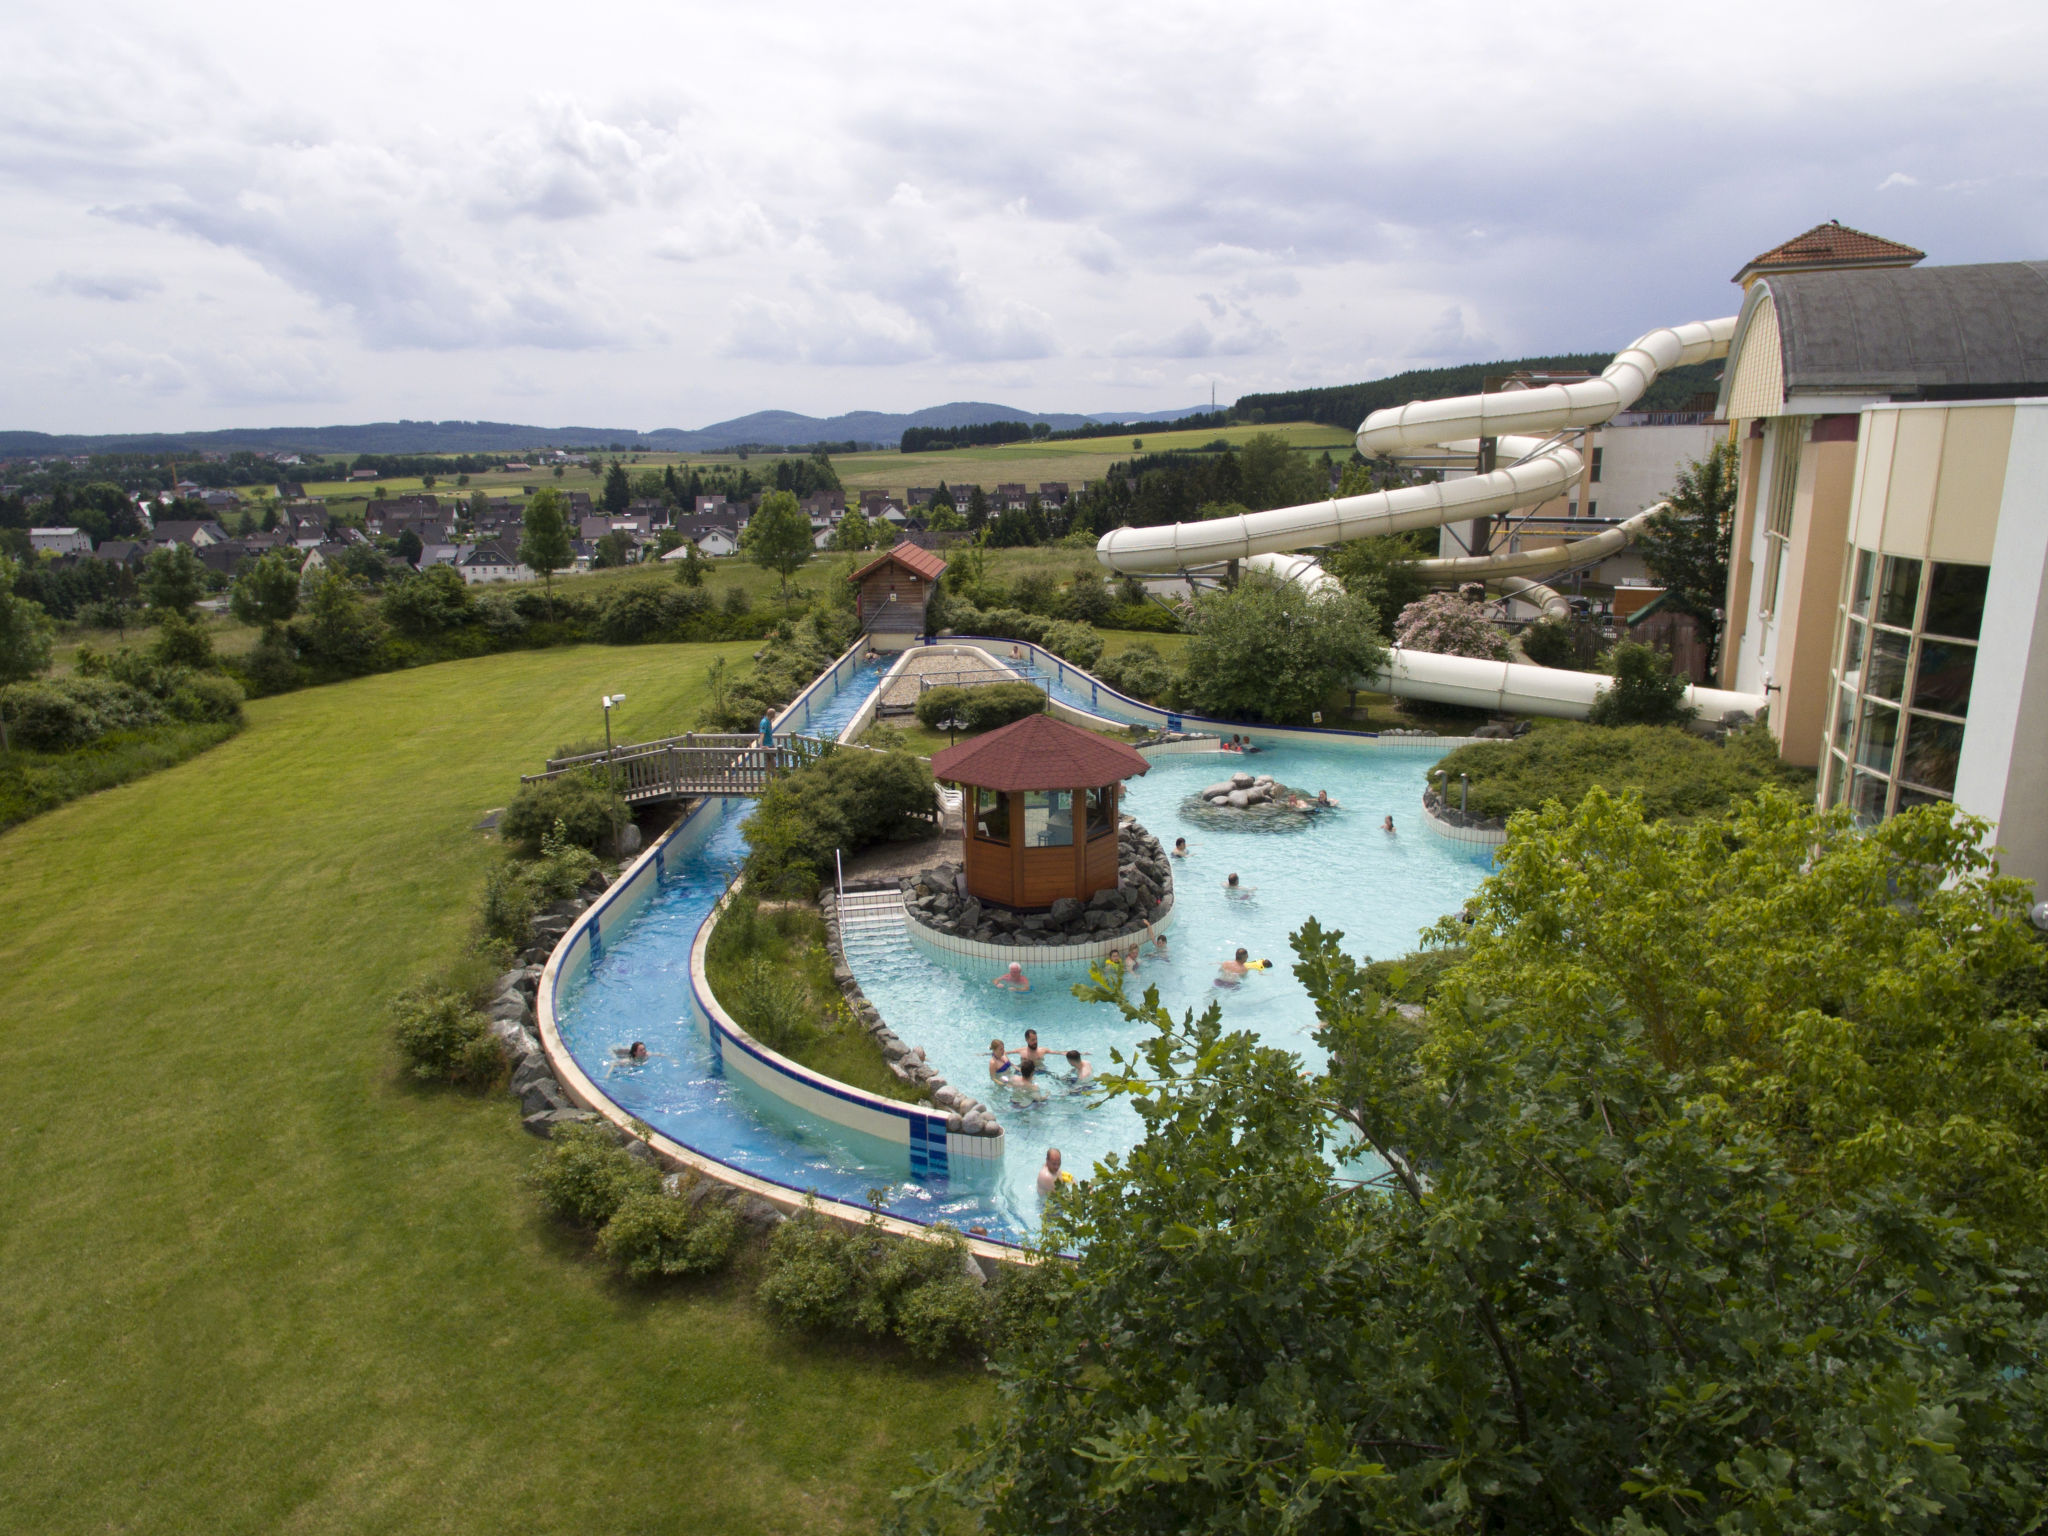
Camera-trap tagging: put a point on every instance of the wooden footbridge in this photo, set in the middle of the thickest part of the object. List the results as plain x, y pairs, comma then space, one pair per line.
680, 767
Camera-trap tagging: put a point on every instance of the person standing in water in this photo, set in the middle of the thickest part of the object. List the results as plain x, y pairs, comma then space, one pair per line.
1387, 826
1051, 1176
1013, 980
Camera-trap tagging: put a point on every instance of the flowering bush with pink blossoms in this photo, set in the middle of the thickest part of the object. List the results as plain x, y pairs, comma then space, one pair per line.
1450, 625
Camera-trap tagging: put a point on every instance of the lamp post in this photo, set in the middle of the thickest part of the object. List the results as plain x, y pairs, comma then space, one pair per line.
611, 766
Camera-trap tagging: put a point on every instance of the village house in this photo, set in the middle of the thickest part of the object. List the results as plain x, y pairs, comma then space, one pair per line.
1052, 493
491, 562
60, 541
197, 534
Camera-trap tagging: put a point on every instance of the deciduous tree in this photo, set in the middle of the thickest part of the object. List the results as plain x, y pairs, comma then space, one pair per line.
267, 593
25, 637
778, 537
544, 544
1686, 546
1267, 651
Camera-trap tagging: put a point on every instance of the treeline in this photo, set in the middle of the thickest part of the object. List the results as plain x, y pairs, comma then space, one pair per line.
981, 434
1346, 405
1194, 423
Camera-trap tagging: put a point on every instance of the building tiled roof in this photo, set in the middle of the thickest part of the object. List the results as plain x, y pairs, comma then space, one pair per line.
1832, 244
1038, 752
919, 562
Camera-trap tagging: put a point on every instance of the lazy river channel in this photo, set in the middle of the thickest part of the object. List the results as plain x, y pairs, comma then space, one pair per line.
1338, 867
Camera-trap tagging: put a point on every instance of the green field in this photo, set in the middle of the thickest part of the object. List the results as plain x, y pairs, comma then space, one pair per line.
256, 1281
1074, 461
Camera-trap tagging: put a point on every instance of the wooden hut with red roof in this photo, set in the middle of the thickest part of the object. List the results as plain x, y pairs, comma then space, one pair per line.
1039, 811
895, 588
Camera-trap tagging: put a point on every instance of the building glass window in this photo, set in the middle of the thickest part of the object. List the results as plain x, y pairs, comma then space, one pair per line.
1048, 818
1877, 736
1787, 433
1597, 452
1866, 575
1902, 689
1933, 747
1898, 594
1101, 812
1885, 678
1955, 600
991, 816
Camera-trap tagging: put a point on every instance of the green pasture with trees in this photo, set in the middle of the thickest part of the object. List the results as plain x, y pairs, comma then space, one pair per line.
258, 1277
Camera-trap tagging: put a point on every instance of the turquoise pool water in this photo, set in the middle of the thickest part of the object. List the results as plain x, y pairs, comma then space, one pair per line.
1379, 890
1339, 867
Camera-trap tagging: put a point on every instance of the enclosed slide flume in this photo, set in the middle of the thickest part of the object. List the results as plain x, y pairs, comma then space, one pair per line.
1537, 463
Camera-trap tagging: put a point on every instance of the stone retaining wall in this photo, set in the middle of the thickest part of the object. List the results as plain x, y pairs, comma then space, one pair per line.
936, 901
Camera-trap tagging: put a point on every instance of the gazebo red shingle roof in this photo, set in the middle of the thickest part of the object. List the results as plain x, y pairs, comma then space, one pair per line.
1833, 244
919, 562
1038, 752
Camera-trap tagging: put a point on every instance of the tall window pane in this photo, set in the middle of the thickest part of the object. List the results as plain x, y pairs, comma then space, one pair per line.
1886, 677
1866, 797
1955, 600
1048, 818
1845, 717
1866, 581
1852, 648
1943, 681
991, 816
1898, 593
1932, 750
1876, 736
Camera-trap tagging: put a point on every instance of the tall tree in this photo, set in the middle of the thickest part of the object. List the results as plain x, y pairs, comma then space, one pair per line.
24, 637
267, 593
1686, 545
174, 580
778, 537
544, 545
1267, 651
854, 532
618, 489
977, 509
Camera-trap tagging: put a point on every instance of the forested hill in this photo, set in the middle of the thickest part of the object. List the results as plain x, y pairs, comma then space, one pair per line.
1346, 405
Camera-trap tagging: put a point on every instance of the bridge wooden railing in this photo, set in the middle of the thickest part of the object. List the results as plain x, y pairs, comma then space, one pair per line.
679, 766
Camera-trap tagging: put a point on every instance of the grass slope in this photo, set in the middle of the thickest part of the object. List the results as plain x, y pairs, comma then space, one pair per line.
254, 1280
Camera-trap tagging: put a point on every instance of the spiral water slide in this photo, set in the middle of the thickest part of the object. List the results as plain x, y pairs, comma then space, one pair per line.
1531, 430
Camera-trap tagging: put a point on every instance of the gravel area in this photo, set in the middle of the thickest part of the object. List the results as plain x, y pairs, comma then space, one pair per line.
903, 689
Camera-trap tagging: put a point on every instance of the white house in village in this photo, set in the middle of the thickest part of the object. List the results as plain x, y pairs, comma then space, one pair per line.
490, 562
60, 541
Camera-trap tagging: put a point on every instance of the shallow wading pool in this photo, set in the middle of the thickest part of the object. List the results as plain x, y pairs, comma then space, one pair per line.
1338, 867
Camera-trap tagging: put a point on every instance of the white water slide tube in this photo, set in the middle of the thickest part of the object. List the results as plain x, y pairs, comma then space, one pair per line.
1534, 469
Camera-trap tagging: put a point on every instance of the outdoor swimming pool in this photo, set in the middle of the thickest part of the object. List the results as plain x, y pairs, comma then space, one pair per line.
1379, 890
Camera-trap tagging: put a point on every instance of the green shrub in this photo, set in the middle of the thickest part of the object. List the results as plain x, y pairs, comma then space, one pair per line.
1145, 616
1138, 671
1676, 772
584, 1176
181, 642
505, 910
1088, 600
430, 603
272, 664
735, 602
631, 614
1643, 692
821, 1277
64, 713
1073, 642
1414, 977
206, 696
772, 1005
846, 800
981, 708
653, 1235
935, 706
581, 803
1550, 643
445, 1039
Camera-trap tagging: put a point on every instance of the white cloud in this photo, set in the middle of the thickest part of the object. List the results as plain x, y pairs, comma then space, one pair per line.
670, 215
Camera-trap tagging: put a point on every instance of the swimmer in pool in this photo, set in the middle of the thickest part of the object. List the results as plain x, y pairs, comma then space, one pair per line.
998, 1060
1051, 1176
1237, 892
637, 1051
1013, 980
1131, 958
1232, 972
1324, 802
1387, 826
1079, 1069
1024, 1086
1180, 847
1033, 1055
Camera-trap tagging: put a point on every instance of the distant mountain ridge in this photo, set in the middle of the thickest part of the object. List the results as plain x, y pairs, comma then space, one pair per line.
761, 427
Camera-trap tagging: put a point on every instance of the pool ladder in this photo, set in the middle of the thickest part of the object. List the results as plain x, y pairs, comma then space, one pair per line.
870, 918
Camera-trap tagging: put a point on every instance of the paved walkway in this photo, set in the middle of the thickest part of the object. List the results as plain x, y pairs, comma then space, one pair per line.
903, 690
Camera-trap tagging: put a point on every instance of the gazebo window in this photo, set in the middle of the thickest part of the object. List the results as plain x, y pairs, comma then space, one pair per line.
991, 816
1101, 812
1048, 818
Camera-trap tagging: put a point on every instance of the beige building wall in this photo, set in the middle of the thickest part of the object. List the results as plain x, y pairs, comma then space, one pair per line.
1809, 599
1741, 567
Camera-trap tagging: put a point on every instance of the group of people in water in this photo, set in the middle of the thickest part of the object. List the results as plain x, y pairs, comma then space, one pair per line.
1024, 1074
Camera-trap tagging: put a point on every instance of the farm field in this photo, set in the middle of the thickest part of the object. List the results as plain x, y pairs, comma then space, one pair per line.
1074, 461
257, 1280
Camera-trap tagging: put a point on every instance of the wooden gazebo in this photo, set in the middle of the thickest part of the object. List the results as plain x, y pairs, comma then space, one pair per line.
894, 589
1039, 807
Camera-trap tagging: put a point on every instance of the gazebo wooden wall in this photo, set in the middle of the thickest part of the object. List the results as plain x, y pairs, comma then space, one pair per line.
1018, 875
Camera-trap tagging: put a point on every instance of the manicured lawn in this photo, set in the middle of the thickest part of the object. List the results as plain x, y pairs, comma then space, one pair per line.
251, 1279
1074, 461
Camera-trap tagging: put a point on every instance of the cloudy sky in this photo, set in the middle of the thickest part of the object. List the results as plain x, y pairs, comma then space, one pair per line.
633, 215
